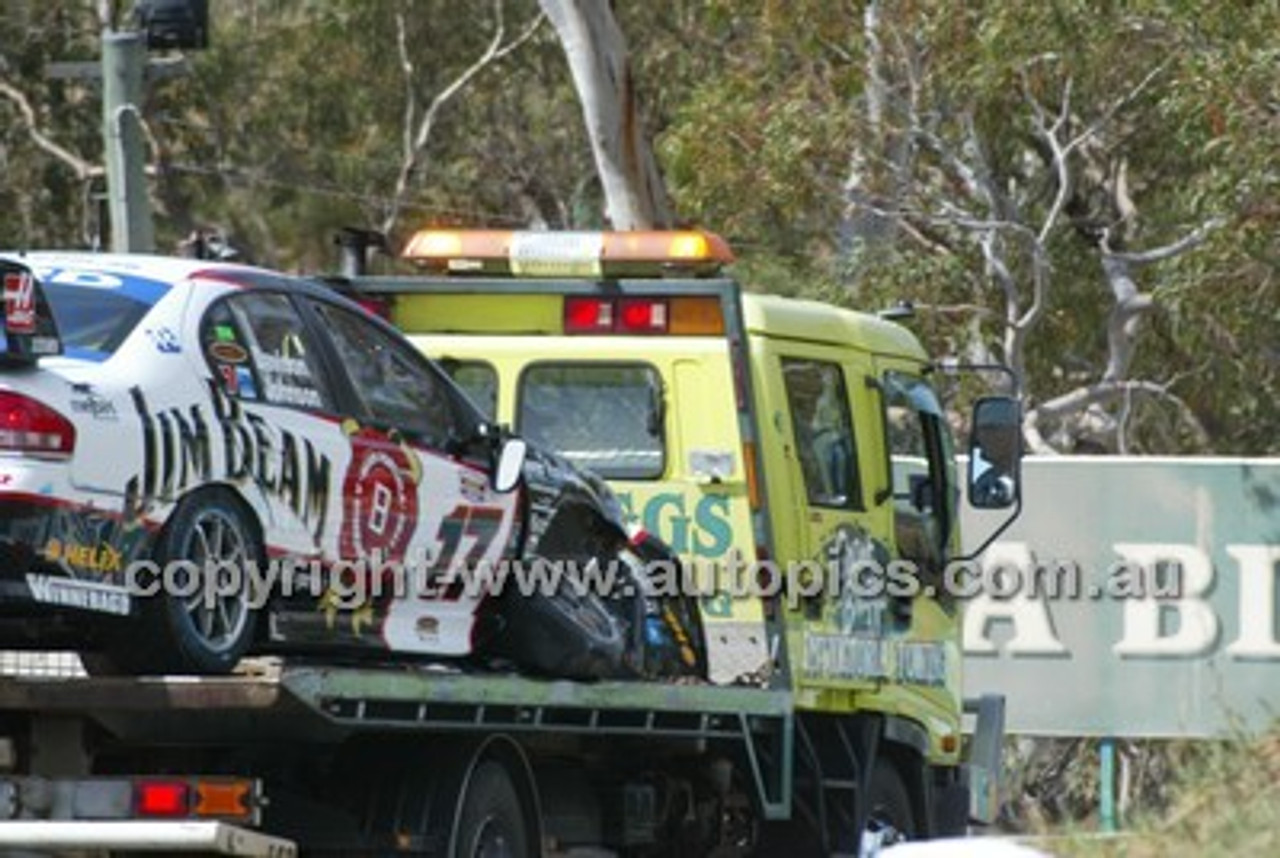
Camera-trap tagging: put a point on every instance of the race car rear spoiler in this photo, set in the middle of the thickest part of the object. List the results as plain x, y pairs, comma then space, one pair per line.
30, 331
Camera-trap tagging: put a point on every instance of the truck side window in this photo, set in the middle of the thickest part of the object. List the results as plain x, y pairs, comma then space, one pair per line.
824, 432
919, 450
601, 416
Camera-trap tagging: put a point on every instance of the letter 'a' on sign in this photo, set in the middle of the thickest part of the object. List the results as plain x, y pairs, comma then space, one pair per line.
30, 332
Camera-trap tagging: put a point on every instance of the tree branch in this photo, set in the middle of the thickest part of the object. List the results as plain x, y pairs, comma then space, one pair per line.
82, 168
1082, 398
415, 145
1192, 239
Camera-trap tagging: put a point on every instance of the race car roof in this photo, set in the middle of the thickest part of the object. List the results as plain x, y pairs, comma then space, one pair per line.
124, 265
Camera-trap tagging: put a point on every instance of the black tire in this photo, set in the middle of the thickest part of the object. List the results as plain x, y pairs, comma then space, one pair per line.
890, 818
681, 613
568, 634
204, 633
491, 823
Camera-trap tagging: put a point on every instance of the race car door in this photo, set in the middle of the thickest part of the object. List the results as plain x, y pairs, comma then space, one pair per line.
416, 518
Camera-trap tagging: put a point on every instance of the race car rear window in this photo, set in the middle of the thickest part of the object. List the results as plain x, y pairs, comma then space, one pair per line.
93, 322
606, 417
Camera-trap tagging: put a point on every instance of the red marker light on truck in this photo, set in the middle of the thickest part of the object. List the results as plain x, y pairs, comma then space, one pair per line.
162, 798
588, 315
642, 316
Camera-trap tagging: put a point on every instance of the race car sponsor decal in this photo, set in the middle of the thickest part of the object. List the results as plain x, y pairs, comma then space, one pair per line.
178, 452
473, 486
19, 303
245, 384
230, 380
442, 628
72, 593
287, 380
227, 352
87, 543
380, 495
331, 604
102, 558
165, 340
91, 404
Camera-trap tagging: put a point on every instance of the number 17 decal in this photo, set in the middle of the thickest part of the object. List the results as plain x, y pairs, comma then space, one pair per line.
479, 524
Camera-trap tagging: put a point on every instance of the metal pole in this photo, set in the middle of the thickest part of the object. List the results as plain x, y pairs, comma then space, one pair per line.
1107, 780
123, 59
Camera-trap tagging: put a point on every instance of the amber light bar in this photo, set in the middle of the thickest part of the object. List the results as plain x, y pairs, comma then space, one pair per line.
569, 254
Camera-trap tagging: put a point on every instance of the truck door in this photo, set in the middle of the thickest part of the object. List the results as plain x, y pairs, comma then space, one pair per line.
822, 406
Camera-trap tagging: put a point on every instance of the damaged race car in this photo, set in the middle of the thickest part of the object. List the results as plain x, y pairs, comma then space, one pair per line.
201, 460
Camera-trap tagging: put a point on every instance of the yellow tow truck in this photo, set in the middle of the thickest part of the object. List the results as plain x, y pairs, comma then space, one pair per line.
795, 454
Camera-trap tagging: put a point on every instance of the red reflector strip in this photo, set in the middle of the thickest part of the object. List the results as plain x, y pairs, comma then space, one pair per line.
162, 798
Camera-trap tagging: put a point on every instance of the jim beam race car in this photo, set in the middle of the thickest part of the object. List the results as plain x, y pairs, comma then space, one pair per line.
198, 460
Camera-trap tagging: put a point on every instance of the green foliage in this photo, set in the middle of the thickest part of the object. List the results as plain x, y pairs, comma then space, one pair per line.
292, 125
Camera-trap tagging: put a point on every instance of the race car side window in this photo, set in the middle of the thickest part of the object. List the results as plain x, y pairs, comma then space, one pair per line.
396, 385
258, 349
478, 380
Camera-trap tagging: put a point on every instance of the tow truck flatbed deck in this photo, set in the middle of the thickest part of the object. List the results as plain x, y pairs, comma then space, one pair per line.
323, 700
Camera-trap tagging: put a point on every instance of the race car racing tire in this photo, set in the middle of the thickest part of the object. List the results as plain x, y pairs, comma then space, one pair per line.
567, 633
203, 619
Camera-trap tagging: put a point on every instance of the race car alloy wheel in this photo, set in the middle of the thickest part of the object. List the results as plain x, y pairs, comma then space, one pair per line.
215, 617
202, 621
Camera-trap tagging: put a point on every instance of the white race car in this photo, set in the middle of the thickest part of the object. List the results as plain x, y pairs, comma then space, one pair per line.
190, 447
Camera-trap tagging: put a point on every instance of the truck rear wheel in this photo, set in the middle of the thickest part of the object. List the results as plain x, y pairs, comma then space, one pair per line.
490, 821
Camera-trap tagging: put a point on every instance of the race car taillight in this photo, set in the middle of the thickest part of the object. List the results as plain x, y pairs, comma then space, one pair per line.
31, 427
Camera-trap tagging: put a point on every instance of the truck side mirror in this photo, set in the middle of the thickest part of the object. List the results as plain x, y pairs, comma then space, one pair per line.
511, 456
995, 453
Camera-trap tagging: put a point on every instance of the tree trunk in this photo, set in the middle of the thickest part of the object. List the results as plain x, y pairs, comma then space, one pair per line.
635, 197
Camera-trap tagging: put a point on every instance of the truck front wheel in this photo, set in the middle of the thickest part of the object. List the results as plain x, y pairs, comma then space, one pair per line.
490, 822
889, 816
